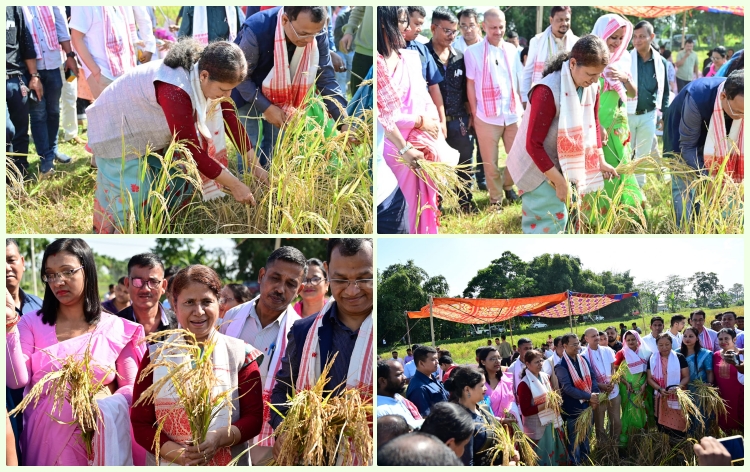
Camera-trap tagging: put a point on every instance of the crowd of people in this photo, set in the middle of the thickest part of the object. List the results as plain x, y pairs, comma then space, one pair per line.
261, 338
568, 109
140, 85
427, 396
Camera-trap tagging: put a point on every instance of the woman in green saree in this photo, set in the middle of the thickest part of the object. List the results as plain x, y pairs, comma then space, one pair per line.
633, 360
616, 86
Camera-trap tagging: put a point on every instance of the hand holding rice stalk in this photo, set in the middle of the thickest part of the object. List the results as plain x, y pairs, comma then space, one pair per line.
688, 408
442, 177
524, 443
504, 443
75, 383
193, 380
553, 401
583, 424
324, 429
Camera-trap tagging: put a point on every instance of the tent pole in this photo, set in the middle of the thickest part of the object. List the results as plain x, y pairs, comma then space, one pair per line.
432, 326
684, 22
570, 312
408, 333
510, 326
539, 19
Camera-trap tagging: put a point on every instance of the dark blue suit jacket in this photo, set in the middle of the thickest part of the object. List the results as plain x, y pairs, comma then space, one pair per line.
256, 39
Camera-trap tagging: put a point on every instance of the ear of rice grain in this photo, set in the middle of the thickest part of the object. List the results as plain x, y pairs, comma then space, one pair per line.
553, 402
689, 408
583, 426
504, 444
525, 446
709, 399
322, 429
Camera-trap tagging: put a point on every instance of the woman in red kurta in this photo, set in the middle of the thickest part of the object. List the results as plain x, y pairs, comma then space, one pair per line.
732, 391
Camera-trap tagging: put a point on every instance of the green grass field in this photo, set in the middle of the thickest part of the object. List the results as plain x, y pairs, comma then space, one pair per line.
463, 349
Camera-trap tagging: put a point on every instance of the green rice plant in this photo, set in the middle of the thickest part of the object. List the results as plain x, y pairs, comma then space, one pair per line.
192, 379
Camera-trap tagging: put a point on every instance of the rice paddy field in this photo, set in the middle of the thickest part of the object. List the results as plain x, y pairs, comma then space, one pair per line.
462, 349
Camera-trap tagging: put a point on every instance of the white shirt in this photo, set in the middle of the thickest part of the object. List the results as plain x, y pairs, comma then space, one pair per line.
516, 367
548, 367
650, 343
89, 21
422, 39
261, 338
398, 359
474, 60
676, 340
601, 360
548, 353
528, 70
391, 406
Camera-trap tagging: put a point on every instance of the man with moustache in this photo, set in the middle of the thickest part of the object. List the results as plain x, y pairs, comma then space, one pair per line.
146, 284
264, 322
493, 68
453, 91
707, 337
557, 38
729, 320
120, 298
657, 327
612, 339
342, 328
391, 382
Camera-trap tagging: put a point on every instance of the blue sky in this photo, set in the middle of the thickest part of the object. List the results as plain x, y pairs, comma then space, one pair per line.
647, 257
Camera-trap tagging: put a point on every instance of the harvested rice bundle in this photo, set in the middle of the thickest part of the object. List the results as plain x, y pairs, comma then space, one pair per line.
553, 401
504, 444
443, 178
709, 399
524, 444
323, 429
583, 424
689, 408
190, 371
75, 382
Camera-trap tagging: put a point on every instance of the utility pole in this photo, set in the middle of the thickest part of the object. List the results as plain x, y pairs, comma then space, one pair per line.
539, 11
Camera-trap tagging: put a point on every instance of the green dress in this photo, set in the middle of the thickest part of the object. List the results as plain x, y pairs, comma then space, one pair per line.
634, 405
613, 117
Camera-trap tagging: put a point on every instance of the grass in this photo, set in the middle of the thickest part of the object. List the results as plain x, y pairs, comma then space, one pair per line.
318, 185
463, 349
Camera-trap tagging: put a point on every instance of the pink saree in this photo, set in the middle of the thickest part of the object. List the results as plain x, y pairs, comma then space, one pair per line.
421, 197
33, 351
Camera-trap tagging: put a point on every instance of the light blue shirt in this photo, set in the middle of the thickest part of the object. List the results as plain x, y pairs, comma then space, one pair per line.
51, 58
391, 406
410, 368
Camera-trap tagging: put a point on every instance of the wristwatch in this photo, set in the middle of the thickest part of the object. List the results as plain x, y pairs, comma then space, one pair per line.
36, 74
71, 54
404, 149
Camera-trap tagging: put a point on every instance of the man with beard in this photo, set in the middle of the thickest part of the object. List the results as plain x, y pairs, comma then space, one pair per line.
612, 339
391, 382
146, 284
264, 322
342, 328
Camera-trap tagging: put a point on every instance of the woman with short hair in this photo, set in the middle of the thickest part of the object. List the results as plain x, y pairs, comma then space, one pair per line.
185, 97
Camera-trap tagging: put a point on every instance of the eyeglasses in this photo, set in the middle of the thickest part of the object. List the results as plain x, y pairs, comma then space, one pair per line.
223, 301
405, 21
64, 275
138, 283
344, 283
313, 281
307, 36
732, 111
449, 32
467, 27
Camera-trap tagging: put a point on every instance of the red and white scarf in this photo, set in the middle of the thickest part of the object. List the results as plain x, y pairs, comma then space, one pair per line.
707, 341
601, 375
492, 96
546, 48
200, 23
120, 52
576, 139
234, 329
720, 148
539, 389
209, 122
46, 17
287, 84
670, 378
389, 101
409, 406
360, 364
584, 383
636, 364
619, 60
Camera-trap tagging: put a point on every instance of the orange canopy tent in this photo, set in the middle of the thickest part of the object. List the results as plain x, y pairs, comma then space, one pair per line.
486, 310
646, 12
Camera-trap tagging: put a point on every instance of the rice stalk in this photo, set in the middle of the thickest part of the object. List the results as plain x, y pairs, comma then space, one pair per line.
442, 177
192, 379
524, 444
504, 445
709, 399
583, 424
323, 429
73, 383
553, 401
689, 409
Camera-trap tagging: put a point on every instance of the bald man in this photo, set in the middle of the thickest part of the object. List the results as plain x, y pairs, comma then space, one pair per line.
495, 115
602, 361
391, 426
416, 449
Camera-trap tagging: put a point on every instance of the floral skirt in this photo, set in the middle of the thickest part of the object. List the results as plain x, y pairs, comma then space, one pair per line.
542, 211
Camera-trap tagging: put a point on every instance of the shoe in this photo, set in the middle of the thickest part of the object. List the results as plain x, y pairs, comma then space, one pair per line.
482, 185
469, 208
46, 175
511, 196
62, 158
495, 207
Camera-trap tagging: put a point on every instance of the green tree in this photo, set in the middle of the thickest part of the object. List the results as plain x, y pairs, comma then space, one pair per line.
737, 291
252, 253
498, 280
674, 292
705, 286
649, 292
724, 299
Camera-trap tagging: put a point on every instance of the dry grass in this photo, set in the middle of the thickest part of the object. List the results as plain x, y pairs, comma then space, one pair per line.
689, 408
504, 447
73, 383
553, 402
323, 429
192, 379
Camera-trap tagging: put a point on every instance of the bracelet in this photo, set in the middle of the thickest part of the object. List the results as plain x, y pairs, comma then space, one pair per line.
405, 149
10, 324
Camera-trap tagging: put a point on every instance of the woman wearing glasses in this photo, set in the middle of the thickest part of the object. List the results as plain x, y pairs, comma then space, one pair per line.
231, 296
314, 291
70, 322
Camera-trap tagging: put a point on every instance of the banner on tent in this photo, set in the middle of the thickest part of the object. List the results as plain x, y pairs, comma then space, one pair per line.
486, 310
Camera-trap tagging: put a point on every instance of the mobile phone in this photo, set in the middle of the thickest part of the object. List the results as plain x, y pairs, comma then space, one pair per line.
32, 95
735, 446
69, 75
